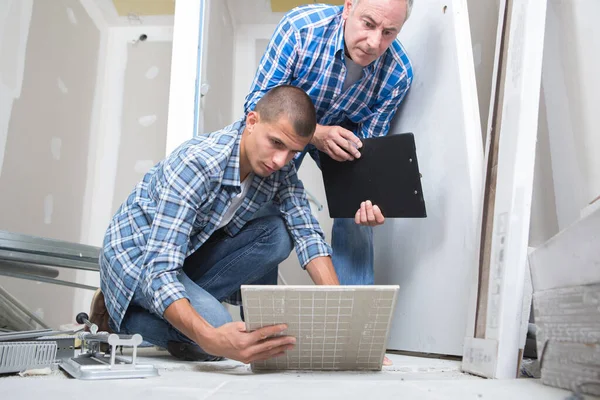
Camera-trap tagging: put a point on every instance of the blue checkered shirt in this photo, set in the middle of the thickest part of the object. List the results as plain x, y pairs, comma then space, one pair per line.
178, 206
307, 51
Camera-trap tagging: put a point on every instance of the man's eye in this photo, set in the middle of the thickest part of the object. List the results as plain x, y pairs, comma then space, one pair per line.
368, 24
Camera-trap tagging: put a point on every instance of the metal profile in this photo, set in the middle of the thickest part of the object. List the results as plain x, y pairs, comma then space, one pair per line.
15, 316
34, 250
20, 356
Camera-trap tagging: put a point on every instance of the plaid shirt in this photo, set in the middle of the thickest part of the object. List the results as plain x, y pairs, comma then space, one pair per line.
177, 207
307, 51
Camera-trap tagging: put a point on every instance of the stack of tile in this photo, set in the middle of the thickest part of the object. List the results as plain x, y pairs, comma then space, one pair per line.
566, 281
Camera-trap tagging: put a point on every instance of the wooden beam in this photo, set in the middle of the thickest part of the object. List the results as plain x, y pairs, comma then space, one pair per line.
494, 350
491, 154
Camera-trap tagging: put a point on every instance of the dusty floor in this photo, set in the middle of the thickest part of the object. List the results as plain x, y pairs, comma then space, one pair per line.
408, 378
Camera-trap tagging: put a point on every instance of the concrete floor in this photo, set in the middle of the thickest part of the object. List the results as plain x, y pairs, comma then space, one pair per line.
409, 377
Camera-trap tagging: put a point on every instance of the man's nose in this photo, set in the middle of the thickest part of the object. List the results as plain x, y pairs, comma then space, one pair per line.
374, 39
280, 159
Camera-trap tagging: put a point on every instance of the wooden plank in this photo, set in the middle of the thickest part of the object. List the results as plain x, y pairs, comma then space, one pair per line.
491, 154
525, 314
433, 259
507, 237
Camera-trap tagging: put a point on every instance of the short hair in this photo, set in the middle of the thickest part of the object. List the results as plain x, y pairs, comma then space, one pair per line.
292, 103
409, 6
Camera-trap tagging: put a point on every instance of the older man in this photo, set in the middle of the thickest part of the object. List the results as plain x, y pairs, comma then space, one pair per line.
349, 61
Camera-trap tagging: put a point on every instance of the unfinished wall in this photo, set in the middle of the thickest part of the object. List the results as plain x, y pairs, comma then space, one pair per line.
43, 174
250, 44
571, 90
483, 21
144, 119
217, 68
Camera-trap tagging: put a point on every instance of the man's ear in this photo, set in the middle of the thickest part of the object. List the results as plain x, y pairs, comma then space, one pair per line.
348, 4
252, 119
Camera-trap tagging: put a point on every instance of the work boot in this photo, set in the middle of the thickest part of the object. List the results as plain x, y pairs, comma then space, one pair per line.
99, 313
189, 352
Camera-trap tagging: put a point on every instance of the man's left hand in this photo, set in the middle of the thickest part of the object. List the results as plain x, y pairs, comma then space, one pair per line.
369, 214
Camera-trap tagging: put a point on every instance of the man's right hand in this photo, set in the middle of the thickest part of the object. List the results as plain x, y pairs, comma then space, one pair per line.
232, 341
339, 143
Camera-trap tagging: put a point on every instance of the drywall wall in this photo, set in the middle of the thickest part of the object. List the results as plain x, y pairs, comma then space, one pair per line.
144, 114
250, 44
483, 20
543, 223
15, 17
433, 259
121, 147
217, 70
43, 174
571, 90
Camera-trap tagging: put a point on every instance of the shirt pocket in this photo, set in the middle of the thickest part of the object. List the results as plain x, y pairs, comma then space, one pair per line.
359, 113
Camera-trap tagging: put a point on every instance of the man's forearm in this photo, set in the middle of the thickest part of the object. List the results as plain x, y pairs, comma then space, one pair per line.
182, 316
321, 271
320, 130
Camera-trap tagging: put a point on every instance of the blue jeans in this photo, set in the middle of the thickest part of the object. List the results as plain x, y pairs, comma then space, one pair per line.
352, 244
214, 273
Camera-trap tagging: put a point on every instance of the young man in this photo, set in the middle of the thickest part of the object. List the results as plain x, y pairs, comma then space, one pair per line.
184, 241
349, 61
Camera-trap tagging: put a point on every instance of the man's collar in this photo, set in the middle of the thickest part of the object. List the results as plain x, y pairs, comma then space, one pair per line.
231, 175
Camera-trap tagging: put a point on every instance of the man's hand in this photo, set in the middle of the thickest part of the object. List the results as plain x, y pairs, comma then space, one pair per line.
369, 215
232, 341
339, 143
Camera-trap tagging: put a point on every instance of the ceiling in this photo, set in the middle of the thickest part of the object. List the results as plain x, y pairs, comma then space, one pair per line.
260, 11
253, 12
286, 5
145, 7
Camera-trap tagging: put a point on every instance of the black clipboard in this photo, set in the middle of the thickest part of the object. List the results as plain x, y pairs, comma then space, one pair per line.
387, 173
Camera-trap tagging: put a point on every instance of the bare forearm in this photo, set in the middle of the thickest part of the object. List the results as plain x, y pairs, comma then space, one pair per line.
319, 131
182, 316
321, 271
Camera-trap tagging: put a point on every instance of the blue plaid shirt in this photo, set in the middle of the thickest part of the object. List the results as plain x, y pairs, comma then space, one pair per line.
178, 206
307, 51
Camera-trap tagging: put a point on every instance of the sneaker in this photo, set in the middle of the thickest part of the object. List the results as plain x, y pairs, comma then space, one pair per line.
189, 352
99, 313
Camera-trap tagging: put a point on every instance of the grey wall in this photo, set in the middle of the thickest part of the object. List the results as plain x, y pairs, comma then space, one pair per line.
43, 176
144, 119
218, 70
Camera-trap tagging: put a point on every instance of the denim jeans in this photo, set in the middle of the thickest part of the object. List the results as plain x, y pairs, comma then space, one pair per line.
214, 273
352, 244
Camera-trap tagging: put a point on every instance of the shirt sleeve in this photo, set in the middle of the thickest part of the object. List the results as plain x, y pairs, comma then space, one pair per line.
277, 64
384, 111
184, 189
308, 237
